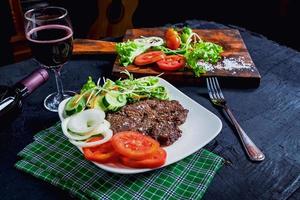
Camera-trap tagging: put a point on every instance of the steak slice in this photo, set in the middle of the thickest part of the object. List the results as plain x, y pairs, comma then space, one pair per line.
157, 118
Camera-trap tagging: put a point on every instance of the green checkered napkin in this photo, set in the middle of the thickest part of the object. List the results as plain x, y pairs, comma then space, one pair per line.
51, 157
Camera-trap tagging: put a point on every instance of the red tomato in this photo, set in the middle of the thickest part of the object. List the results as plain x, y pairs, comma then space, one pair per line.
134, 145
171, 63
149, 57
172, 39
157, 159
102, 153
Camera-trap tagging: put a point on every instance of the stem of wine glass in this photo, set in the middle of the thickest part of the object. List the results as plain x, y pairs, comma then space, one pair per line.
60, 89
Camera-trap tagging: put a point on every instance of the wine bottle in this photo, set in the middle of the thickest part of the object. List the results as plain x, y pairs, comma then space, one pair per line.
11, 97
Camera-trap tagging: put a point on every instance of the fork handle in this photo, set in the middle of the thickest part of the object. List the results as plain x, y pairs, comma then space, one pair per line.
254, 153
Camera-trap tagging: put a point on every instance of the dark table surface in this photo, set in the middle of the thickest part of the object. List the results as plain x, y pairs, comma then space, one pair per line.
270, 114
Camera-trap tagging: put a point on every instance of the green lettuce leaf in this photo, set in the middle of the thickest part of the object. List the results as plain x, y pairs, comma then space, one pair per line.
206, 51
128, 51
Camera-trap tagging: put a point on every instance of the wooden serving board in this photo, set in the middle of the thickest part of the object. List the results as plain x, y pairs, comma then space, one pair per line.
235, 54
92, 47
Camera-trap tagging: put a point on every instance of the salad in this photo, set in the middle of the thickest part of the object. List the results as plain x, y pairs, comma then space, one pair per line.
180, 50
85, 126
113, 95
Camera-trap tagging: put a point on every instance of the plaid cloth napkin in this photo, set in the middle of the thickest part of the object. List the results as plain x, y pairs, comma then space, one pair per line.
51, 157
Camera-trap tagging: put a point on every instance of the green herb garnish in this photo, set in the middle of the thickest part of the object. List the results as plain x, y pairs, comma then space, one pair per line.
113, 95
90, 84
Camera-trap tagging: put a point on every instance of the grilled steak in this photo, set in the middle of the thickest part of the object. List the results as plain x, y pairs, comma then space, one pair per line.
156, 118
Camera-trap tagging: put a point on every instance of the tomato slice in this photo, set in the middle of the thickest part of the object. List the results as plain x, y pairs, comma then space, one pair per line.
149, 57
171, 63
134, 145
157, 159
102, 153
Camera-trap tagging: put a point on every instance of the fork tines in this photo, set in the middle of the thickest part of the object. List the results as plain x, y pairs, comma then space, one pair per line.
214, 89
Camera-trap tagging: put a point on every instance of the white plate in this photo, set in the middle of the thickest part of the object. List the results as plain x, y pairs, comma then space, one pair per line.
201, 127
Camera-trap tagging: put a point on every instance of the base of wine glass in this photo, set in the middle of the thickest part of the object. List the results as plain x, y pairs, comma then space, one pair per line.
52, 101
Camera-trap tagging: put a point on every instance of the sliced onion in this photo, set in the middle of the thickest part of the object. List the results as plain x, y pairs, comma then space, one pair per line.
85, 121
149, 41
106, 136
103, 127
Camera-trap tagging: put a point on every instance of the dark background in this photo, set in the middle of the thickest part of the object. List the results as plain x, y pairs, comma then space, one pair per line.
278, 20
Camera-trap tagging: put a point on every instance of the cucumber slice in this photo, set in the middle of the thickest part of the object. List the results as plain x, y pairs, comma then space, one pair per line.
72, 106
113, 101
98, 103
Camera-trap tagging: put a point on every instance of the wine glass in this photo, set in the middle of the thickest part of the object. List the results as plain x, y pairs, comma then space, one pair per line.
50, 35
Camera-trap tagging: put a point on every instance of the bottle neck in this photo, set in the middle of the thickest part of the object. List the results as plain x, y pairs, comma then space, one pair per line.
21, 90
27, 85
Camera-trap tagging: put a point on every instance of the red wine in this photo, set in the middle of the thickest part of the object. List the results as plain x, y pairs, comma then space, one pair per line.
51, 45
11, 97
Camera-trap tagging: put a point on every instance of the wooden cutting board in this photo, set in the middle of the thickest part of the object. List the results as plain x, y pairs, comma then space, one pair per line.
236, 66
93, 47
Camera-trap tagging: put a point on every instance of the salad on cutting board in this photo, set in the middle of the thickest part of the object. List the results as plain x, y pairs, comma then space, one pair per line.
179, 50
216, 52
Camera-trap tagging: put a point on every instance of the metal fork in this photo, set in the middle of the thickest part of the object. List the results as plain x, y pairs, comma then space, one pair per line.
217, 98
